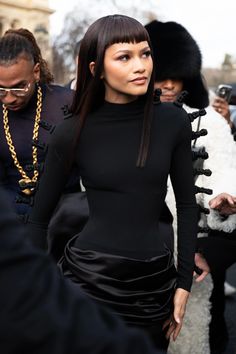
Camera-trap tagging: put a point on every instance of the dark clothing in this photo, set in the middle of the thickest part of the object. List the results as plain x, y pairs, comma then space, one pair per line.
41, 313
165, 227
21, 124
218, 333
124, 201
158, 337
137, 299
69, 218
233, 131
55, 101
219, 249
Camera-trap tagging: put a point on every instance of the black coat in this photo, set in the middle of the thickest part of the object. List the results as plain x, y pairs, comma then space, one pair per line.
40, 313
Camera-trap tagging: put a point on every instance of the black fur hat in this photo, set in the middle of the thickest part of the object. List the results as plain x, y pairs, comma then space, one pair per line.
177, 56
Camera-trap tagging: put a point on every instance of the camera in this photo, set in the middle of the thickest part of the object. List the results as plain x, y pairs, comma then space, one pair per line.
224, 91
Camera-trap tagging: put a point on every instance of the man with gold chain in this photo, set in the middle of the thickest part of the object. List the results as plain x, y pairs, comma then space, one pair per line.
30, 109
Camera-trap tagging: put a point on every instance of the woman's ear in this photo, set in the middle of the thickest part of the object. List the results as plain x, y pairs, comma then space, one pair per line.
92, 67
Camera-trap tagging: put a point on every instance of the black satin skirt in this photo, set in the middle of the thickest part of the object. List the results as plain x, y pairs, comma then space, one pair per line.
140, 291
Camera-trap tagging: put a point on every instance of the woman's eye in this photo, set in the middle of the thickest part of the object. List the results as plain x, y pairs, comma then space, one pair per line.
147, 54
123, 57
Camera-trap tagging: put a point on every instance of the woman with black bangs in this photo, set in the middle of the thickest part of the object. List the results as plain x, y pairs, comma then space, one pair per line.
125, 147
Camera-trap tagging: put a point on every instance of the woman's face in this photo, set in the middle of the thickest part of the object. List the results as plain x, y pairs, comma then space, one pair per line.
127, 71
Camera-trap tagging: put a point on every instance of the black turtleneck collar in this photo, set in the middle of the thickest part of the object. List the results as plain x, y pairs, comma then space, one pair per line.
116, 111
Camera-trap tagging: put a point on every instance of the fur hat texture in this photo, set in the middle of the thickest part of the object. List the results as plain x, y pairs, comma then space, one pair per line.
177, 56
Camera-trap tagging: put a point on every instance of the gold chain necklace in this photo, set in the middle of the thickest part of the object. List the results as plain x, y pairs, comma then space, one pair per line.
25, 179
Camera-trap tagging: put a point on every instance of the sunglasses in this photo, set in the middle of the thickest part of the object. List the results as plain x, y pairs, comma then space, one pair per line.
18, 92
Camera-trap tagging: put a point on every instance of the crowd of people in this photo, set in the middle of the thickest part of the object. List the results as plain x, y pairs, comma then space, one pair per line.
119, 266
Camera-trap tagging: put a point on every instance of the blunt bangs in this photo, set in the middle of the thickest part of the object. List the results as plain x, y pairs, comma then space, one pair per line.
124, 29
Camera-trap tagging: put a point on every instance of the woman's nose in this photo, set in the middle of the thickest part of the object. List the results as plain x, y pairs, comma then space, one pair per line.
139, 65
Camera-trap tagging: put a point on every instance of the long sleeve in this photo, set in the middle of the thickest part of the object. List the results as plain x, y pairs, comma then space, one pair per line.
53, 180
181, 174
41, 313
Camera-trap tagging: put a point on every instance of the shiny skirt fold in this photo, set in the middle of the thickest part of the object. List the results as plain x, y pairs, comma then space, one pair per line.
140, 291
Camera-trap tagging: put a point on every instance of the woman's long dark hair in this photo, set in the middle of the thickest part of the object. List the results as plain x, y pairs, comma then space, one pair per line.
21, 42
90, 90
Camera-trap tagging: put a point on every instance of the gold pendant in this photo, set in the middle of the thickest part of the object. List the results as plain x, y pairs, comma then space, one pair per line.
22, 183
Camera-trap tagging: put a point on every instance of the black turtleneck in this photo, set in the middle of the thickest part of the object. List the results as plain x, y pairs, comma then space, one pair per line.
125, 201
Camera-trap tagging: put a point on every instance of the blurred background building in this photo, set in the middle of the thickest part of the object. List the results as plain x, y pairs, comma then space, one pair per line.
58, 49
31, 14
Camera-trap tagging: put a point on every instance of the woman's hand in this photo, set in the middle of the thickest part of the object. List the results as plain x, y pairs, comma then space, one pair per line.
175, 322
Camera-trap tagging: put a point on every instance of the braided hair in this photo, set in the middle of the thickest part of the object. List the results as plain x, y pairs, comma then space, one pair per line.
17, 43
